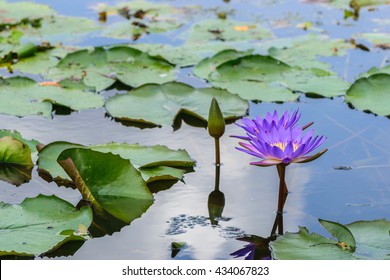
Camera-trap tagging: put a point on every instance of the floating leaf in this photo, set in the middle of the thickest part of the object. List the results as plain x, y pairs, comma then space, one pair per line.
342, 233
226, 31
36, 226
379, 40
108, 182
61, 29
371, 94
101, 67
257, 77
16, 135
372, 242
22, 97
161, 104
42, 61
307, 246
183, 56
208, 65
142, 17
14, 152
155, 162
372, 238
22, 13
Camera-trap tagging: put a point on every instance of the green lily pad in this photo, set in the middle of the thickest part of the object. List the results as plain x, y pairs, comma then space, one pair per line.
155, 162
61, 29
380, 40
372, 238
22, 13
15, 174
257, 77
160, 104
109, 182
16, 135
372, 242
226, 31
307, 246
184, 55
342, 233
304, 51
39, 225
208, 65
23, 97
371, 94
142, 17
101, 67
14, 152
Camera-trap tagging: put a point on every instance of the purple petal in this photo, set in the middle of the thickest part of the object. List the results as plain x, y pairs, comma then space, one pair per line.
309, 158
266, 162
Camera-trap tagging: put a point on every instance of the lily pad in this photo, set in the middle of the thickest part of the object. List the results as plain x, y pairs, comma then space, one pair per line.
372, 242
142, 17
108, 182
101, 67
371, 94
39, 225
60, 29
226, 31
379, 40
23, 13
154, 162
160, 104
184, 55
341, 233
307, 246
16, 135
14, 152
23, 97
208, 65
264, 78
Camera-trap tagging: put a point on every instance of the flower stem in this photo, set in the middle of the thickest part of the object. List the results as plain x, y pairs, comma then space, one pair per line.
217, 163
283, 191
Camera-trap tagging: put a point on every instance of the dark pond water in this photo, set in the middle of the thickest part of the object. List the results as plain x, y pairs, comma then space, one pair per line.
180, 214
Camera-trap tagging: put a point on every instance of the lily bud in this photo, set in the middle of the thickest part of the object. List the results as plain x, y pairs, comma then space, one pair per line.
216, 122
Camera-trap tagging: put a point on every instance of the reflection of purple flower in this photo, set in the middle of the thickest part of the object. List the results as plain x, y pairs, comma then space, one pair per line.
277, 141
249, 248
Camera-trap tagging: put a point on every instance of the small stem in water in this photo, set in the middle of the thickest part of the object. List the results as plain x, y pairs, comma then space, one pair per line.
217, 163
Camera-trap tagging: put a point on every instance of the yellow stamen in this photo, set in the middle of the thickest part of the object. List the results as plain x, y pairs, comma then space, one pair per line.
283, 146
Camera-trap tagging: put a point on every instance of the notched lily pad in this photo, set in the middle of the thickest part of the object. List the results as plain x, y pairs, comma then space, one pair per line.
372, 241
226, 31
23, 97
156, 163
161, 104
102, 67
264, 78
36, 226
15, 161
371, 94
108, 182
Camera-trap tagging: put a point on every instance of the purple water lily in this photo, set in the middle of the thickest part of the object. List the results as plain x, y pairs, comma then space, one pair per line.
279, 140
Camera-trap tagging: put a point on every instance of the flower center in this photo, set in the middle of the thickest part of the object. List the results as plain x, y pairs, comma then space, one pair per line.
283, 145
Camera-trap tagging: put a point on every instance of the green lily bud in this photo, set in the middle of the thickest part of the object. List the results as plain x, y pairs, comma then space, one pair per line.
216, 122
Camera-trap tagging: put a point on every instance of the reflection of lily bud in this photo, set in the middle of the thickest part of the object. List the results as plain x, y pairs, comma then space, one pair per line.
216, 203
